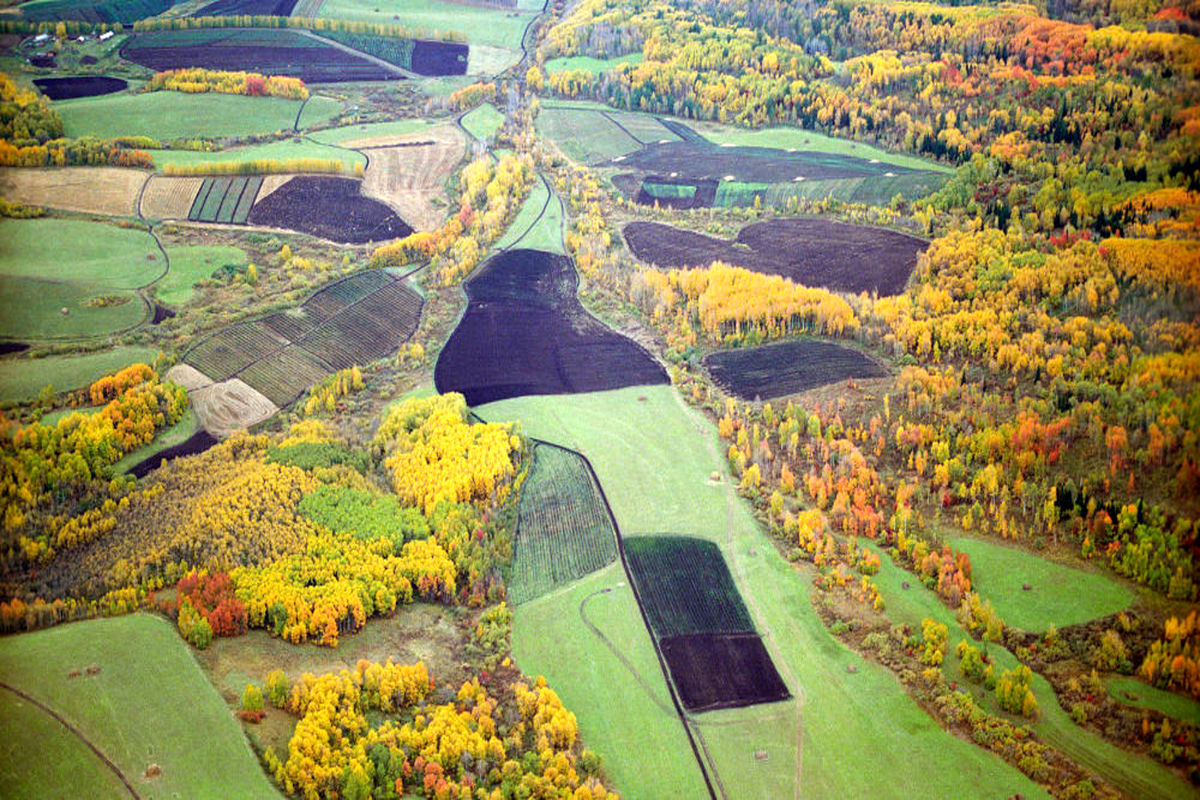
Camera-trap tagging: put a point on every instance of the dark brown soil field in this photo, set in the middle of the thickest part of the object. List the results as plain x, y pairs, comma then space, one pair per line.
196, 443
233, 8
439, 58
79, 86
812, 252
331, 208
775, 370
722, 670
524, 332
269, 51
692, 160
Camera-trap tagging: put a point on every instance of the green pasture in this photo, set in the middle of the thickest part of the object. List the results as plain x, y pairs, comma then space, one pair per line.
539, 223
369, 130
318, 110
588, 64
483, 122
1133, 692
22, 378
623, 707
37, 752
480, 25
79, 252
190, 265
277, 151
654, 457
149, 704
800, 139
584, 134
33, 310
1137, 776
172, 115
1058, 594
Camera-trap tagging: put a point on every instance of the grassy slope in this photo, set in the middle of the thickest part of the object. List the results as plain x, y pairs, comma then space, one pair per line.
36, 752
583, 134
149, 704
588, 64
286, 149
168, 115
534, 228
483, 122
801, 139
33, 310
653, 459
1133, 692
1059, 595
1139, 777
192, 264
79, 252
22, 378
497, 27
634, 728
369, 130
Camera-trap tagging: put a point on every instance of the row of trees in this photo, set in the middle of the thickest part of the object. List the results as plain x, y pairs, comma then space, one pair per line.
197, 80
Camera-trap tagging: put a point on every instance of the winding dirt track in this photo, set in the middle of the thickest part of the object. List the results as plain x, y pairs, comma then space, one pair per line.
77, 733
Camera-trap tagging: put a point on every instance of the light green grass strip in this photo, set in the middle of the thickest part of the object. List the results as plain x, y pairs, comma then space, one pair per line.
22, 378
370, 130
171, 115
801, 139
149, 704
79, 252
1058, 595
1133, 692
539, 223
588, 64
483, 122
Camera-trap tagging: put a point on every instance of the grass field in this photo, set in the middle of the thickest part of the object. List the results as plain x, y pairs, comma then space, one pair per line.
150, 704
539, 223
278, 151
1133, 692
627, 719
371, 130
170, 115
483, 122
589, 64
653, 458
800, 139
192, 264
583, 133
80, 252
22, 378
1060, 595
37, 752
318, 110
1135, 775
493, 26
33, 310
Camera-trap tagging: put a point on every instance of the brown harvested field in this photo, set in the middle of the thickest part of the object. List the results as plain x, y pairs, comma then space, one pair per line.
722, 670
409, 172
188, 377
229, 406
111, 191
813, 252
169, 198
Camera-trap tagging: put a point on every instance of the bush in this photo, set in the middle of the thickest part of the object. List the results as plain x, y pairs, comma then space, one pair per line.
278, 687
193, 627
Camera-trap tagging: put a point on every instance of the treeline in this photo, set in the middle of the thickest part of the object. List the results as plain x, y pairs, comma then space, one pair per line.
314, 24
260, 166
492, 194
199, 81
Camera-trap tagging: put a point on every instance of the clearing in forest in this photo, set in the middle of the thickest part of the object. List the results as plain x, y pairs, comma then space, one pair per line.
776, 370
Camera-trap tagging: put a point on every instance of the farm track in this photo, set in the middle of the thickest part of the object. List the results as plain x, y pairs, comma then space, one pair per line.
345, 48
739, 571
76, 732
637, 676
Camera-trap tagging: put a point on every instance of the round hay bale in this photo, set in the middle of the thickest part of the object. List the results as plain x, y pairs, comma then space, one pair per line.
65, 311
152, 771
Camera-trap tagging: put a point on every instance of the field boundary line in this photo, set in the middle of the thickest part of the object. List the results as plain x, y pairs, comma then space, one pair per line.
637, 676
77, 733
345, 48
